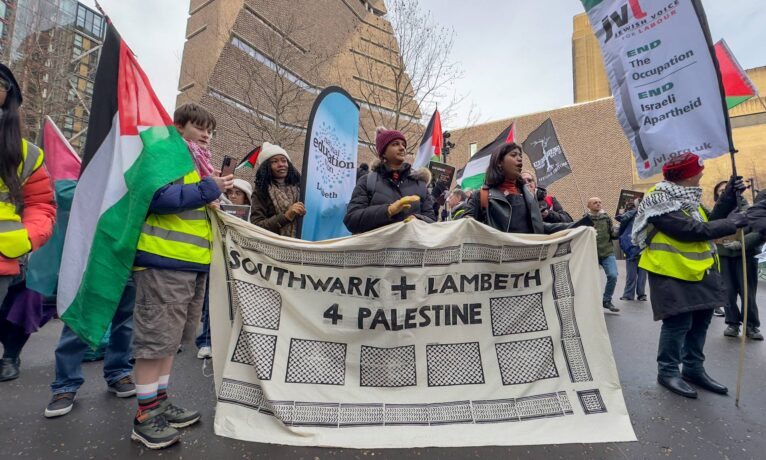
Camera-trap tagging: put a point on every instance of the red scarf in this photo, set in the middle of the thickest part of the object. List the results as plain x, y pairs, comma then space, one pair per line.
509, 188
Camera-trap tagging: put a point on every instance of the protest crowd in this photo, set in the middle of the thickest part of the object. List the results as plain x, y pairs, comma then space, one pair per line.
689, 256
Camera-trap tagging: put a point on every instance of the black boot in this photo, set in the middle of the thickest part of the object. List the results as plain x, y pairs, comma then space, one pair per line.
702, 380
677, 385
9, 369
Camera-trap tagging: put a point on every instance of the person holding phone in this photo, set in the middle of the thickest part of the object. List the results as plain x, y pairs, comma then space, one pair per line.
276, 204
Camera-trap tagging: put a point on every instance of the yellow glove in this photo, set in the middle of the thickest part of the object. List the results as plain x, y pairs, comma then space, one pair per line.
402, 204
409, 218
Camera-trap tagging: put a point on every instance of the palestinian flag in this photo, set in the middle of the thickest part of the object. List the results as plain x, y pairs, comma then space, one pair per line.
736, 84
63, 165
250, 159
431, 145
472, 177
132, 150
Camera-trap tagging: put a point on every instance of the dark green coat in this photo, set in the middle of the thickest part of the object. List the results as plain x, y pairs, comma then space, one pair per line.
606, 234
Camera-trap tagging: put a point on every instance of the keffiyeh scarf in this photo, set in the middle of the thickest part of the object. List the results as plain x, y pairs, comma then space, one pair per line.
666, 198
203, 159
283, 196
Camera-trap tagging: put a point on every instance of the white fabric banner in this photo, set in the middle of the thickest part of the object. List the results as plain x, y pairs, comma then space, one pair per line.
663, 78
413, 335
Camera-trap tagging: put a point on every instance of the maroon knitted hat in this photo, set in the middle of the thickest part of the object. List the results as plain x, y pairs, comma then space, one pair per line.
682, 167
383, 137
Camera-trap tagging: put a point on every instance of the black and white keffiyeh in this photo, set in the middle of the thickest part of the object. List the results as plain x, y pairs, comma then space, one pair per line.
667, 197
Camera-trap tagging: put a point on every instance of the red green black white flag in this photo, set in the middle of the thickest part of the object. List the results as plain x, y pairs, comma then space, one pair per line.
737, 86
431, 145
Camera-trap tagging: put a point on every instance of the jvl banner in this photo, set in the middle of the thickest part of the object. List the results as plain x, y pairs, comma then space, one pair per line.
659, 59
543, 148
449, 334
329, 165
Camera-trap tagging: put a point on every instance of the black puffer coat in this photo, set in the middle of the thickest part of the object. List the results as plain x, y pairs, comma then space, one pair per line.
368, 209
671, 296
499, 212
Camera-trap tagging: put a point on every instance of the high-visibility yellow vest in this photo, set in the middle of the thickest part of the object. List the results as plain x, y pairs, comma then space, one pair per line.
678, 259
14, 239
185, 236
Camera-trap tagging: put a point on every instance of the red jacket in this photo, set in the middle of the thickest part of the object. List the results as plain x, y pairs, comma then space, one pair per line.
38, 216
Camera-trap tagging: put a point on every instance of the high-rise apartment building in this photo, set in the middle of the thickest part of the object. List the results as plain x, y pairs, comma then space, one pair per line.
53, 47
258, 65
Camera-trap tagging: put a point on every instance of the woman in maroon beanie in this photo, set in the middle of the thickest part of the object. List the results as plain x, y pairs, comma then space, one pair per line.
392, 191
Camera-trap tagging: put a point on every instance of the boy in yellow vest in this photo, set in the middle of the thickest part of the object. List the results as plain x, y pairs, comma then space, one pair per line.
674, 232
172, 264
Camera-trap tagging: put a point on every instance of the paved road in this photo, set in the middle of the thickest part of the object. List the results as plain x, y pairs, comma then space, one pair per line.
667, 426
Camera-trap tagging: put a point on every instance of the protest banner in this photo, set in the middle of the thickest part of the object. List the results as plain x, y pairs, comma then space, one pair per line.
627, 196
544, 151
661, 67
329, 165
412, 335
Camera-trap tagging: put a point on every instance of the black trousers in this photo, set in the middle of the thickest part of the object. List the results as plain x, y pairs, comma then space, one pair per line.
12, 337
731, 272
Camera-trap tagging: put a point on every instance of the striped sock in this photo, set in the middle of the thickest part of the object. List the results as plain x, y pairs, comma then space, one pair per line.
147, 398
162, 388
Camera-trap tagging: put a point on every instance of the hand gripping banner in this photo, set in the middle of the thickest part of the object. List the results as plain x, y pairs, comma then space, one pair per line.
412, 335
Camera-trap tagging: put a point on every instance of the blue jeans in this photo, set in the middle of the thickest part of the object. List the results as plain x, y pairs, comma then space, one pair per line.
609, 264
635, 280
682, 339
203, 339
71, 349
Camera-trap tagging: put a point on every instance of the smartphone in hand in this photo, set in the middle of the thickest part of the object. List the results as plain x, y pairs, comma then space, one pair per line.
228, 166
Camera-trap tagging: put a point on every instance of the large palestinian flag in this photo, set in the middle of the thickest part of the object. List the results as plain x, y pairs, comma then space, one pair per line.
132, 150
431, 145
736, 84
472, 177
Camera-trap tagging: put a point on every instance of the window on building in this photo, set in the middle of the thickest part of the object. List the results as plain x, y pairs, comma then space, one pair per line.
89, 22
3, 10
472, 147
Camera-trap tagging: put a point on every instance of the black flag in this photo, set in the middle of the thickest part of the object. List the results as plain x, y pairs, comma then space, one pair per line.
543, 148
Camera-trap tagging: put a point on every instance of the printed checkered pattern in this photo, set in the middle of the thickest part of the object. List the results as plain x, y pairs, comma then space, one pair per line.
526, 361
591, 401
315, 414
442, 256
567, 320
500, 410
244, 242
517, 314
473, 252
575, 357
365, 258
256, 350
340, 415
406, 414
281, 253
312, 361
542, 406
562, 281
454, 364
324, 258
388, 367
563, 249
260, 307
404, 257
523, 253
449, 413
242, 393
361, 415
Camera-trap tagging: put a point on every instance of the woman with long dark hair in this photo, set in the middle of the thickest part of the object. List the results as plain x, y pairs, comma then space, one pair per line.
276, 199
27, 213
505, 203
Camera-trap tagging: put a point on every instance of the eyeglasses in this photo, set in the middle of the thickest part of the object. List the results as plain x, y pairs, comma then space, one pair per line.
5, 85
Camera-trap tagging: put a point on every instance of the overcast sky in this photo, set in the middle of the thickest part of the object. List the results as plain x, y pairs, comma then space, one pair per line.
516, 54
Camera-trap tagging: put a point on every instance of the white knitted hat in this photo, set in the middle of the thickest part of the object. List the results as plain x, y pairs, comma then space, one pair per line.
245, 186
269, 150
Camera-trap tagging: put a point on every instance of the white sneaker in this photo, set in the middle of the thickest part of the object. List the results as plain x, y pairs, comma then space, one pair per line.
204, 353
